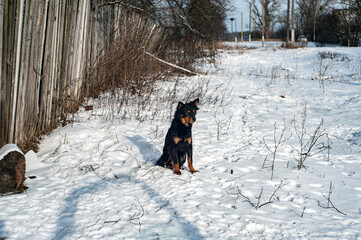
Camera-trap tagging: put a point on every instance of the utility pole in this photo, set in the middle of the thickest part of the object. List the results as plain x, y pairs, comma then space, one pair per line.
241, 26
235, 29
293, 23
263, 23
250, 22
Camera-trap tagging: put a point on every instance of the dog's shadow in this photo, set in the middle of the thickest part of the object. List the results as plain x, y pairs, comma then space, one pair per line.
149, 152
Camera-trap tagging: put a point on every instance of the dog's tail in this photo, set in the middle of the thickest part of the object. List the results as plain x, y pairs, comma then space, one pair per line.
162, 161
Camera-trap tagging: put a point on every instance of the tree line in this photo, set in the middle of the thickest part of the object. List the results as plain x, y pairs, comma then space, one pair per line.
324, 21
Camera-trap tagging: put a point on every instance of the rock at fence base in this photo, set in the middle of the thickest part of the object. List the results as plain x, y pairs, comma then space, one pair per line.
12, 172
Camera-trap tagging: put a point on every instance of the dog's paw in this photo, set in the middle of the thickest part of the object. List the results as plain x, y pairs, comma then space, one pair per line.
192, 170
178, 172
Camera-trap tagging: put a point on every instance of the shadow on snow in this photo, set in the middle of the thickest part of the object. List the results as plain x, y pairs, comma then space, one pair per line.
66, 222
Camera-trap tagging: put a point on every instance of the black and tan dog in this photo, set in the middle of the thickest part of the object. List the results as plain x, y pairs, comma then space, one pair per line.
178, 142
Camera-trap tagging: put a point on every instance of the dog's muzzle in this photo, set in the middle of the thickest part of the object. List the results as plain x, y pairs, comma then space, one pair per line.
188, 120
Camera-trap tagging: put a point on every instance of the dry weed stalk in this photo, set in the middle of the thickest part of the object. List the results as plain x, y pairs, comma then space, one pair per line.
258, 204
310, 144
277, 141
330, 204
224, 123
125, 64
322, 67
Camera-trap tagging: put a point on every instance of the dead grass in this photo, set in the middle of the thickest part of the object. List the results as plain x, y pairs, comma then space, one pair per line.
124, 64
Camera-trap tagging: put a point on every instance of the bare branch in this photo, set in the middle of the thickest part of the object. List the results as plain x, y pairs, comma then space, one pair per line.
138, 217
310, 145
171, 64
277, 141
330, 204
303, 211
259, 204
120, 3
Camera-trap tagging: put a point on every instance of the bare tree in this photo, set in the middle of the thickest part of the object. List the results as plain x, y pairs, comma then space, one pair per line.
271, 11
308, 14
193, 26
288, 23
293, 22
349, 17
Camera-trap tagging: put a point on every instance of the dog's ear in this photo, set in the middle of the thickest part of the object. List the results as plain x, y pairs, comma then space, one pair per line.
196, 102
180, 106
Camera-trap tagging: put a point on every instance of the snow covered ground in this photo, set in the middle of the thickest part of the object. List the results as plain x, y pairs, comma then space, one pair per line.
97, 179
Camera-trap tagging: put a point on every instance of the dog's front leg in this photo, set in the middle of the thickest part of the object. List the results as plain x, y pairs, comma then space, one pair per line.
190, 159
175, 161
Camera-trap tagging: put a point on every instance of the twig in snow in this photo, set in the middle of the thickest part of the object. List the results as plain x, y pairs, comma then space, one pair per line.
276, 143
171, 64
311, 146
92, 168
223, 125
231, 180
329, 202
113, 221
139, 217
303, 211
259, 204
239, 193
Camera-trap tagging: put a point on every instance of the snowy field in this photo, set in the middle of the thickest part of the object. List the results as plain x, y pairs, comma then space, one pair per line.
261, 111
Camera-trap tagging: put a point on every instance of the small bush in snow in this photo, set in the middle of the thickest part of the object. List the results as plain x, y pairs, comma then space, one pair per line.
310, 144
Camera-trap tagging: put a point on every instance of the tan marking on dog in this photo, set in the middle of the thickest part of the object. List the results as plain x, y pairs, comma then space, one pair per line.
189, 140
185, 121
190, 166
176, 140
176, 169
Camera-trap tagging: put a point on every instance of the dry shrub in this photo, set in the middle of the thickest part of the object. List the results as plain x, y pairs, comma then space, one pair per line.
185, 51
128, 74
226, 47
124, 64
289, 45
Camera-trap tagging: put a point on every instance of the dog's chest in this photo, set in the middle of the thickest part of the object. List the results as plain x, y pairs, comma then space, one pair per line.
182, 140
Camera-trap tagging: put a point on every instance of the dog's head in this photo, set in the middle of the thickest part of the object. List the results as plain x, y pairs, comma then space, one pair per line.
187, 112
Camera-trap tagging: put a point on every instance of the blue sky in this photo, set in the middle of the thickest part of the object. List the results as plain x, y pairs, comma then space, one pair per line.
240, 6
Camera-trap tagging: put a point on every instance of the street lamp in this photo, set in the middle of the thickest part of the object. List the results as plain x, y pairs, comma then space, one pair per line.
232, 19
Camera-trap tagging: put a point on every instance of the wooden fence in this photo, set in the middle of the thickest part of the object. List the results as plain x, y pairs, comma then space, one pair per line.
47, 47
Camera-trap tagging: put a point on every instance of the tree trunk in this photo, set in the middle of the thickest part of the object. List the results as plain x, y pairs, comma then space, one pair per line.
288, 24
293, 22
263, 22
